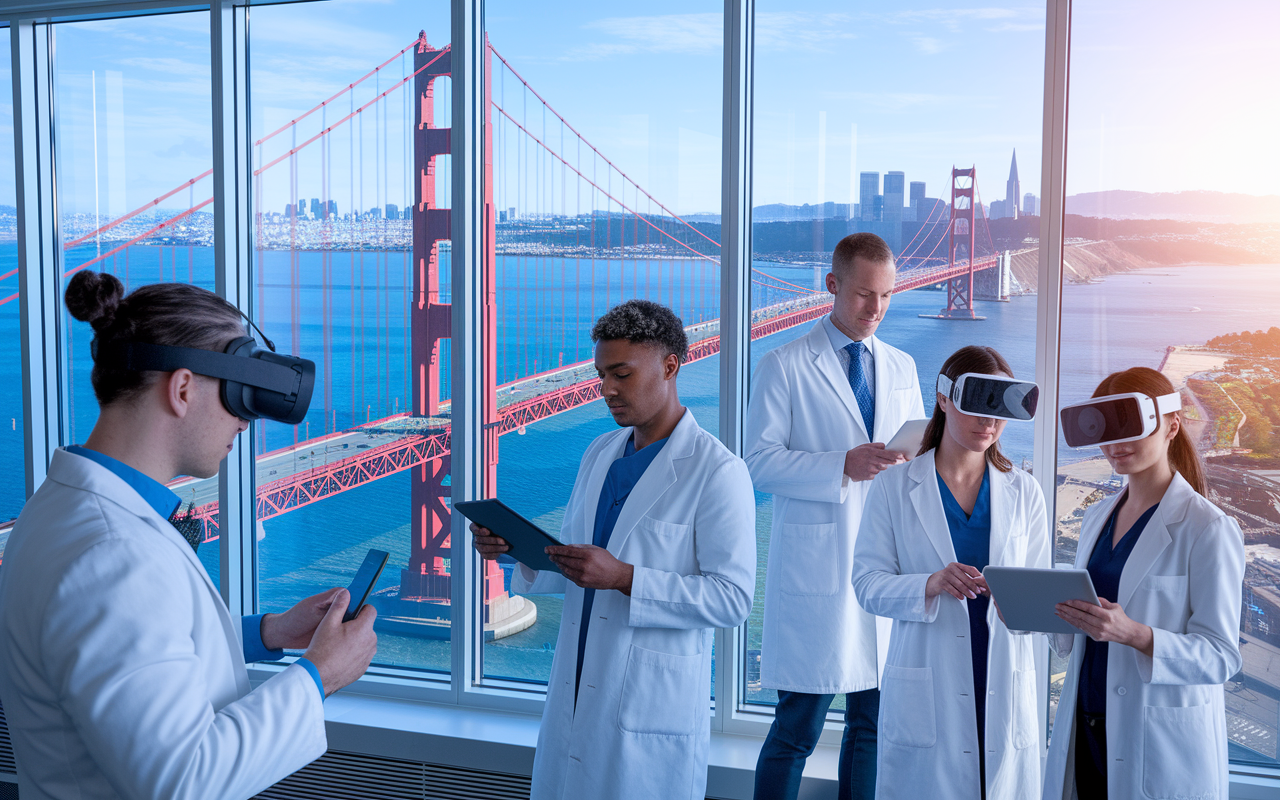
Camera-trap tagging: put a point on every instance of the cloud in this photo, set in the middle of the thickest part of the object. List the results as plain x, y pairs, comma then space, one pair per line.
928, 45
694, 34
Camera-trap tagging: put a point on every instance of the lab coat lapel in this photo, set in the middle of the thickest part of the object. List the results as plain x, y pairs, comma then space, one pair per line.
595, 475
825, 361
884, 381
1155, 538
1089, 536
927, 501
1001, 513
657, 478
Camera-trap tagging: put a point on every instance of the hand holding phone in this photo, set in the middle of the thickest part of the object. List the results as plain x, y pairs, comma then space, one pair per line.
363, 582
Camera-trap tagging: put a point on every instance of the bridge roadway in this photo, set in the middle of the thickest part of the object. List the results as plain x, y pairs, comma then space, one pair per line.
299, 475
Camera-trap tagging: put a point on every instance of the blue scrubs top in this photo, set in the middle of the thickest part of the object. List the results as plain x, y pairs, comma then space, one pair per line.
622, 477
1105, 567
971, 538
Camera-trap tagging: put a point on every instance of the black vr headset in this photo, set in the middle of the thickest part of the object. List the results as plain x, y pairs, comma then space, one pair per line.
256, 383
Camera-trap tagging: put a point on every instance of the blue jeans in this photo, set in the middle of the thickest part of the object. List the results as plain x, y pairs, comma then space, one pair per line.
797, 724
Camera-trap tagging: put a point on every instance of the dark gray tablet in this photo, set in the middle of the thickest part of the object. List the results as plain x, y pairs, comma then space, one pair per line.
1027, 596
525, 538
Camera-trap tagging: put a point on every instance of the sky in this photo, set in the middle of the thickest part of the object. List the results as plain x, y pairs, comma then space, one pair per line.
1172, 101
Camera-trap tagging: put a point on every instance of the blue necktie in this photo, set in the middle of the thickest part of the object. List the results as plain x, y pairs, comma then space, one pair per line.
858, 382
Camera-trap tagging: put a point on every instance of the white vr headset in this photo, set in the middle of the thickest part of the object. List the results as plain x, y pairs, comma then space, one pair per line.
994, 396
1115, 418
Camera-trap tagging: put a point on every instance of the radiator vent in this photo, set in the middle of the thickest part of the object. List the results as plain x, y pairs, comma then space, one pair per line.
7, 764
352, 776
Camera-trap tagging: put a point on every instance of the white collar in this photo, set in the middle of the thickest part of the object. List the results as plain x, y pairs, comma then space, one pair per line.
840, 341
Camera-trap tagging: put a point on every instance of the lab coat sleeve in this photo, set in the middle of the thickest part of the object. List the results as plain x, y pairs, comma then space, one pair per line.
118, 647
719, 595
776, 468
1209, 651
878, 582
1039, 541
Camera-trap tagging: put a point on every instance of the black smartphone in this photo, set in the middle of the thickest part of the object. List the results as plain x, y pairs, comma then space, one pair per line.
362, 584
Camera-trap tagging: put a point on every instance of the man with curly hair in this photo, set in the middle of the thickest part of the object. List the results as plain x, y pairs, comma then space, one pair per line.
659, 549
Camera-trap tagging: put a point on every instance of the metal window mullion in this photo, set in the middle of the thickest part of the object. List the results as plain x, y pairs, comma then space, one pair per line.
735, 283
467, 459
232, 259
1049, 287
39, 254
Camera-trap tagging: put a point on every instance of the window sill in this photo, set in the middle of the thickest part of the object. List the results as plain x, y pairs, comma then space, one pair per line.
503, 741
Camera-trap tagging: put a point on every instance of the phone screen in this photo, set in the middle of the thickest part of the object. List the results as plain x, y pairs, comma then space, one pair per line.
362, 583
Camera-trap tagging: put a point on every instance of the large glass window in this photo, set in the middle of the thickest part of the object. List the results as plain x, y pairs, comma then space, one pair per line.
350, 116
13, 487
606, 187
875, 144
1173, 233
135, 197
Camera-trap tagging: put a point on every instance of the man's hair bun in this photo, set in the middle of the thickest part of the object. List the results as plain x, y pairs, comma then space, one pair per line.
93, 297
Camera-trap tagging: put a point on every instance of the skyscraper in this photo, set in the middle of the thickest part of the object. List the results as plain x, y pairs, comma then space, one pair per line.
869, 189
895, 184
1029, 205
917, 197
1012, 192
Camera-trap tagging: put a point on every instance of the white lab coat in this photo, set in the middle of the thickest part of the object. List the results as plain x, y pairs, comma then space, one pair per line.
801, 421
1166, 715
643, 726
121, 672
928, 738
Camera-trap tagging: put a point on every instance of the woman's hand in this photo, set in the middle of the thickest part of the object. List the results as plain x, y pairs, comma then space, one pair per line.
958, 580
1108, 623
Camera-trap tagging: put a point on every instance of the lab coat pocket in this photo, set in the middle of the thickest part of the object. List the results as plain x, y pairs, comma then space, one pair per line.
1179, 758
660, 693
809, 556
1168, 601
1024, 708
908, 716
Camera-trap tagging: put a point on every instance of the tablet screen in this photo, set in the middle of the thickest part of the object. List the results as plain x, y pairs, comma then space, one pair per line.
526, 539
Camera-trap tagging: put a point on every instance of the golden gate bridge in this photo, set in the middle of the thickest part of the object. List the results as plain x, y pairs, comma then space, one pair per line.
634, 229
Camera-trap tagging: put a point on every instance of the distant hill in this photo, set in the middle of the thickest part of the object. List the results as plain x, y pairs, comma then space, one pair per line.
1184, 206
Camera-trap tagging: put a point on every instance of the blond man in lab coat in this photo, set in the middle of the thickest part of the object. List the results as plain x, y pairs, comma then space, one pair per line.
821, 409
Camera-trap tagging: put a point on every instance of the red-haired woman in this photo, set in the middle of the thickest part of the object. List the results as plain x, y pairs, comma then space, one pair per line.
1142, 709
958, 716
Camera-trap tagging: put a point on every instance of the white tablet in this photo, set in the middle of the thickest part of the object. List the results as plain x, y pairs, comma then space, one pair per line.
1027, 596
908, 438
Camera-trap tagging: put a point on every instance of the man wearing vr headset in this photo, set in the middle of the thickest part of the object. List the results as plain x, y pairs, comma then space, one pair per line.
821, 409
1143, 708
122, 673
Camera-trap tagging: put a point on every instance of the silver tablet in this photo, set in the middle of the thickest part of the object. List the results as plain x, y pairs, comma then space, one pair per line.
908, 438
1027, 596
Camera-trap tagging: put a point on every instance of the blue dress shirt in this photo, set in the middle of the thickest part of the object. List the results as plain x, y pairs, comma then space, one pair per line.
839, 342
622, 477
971, 538
1106, 564
164, 502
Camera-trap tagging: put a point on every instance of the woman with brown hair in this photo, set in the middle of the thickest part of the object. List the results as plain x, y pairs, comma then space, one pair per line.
958, 712
1142, 712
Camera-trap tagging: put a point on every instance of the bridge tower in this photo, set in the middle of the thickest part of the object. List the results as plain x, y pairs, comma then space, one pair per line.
427, 577
961, 233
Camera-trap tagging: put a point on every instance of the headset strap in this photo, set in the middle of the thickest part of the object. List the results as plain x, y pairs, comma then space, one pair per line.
1169, 403
945, 386
239, 369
